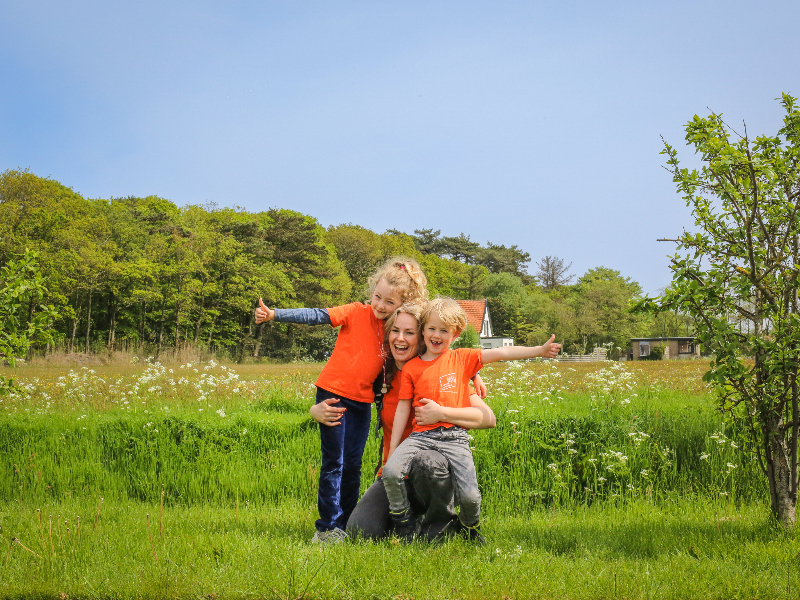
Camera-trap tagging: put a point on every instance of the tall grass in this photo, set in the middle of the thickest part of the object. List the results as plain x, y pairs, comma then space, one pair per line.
599, 481
211, 437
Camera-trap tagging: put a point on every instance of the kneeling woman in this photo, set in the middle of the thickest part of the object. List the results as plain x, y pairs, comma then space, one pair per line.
429, 483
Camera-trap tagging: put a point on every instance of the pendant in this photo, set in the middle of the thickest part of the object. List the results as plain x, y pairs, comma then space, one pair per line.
383, 389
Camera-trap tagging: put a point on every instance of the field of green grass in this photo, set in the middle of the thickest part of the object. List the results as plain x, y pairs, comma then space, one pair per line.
601, 480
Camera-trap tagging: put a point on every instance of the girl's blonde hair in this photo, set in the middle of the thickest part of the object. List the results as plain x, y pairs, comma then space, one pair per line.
448, 310
405, 275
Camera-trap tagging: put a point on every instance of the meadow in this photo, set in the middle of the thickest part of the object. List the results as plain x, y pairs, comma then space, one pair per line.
198, 480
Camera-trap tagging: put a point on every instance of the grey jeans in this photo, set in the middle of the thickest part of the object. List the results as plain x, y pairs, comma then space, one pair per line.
453, 444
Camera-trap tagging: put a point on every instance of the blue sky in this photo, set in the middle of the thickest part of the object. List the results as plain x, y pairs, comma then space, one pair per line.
529, 123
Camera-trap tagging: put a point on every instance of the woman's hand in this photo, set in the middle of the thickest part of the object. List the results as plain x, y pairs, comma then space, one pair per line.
429, 413
263, 313
326, 414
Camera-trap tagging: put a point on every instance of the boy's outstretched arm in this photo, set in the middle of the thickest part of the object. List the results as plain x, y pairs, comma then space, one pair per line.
549, 349
400, 420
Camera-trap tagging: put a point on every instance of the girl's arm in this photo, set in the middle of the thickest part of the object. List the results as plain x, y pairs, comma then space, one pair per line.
304, 316
477, 416
548, 350
400, 421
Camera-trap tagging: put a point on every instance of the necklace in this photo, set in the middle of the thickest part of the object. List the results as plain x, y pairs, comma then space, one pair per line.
382, 353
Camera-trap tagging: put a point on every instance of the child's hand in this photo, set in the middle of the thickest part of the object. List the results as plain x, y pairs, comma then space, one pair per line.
480, 387
550, 349
429, 413
326, 414
263, 313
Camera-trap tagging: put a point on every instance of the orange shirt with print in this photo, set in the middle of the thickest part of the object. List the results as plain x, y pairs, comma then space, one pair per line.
445, 380
357, 356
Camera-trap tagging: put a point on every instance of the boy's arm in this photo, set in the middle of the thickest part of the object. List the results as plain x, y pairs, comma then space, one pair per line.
548, 350
304, 316
400, 421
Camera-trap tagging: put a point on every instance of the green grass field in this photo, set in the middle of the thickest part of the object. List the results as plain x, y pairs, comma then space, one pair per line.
195, 481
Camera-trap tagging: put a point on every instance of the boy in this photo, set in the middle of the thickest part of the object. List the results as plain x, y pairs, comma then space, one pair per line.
441, 375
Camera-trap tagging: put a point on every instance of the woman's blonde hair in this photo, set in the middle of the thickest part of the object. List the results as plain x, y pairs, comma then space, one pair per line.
448, 310
405, 275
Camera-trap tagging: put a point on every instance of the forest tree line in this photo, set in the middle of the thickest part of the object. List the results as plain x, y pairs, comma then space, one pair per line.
144, 275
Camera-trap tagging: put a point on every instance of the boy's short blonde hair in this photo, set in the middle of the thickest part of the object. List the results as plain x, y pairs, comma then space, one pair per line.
448, 310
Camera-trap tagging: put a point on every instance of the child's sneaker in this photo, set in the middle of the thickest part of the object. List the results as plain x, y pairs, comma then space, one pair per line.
334, 536
405, 526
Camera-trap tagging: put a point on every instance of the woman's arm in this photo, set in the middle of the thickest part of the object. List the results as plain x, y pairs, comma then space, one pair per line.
547, 350
400, 421
324, 413
477, 416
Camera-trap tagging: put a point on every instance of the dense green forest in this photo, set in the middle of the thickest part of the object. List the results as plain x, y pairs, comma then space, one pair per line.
144, 275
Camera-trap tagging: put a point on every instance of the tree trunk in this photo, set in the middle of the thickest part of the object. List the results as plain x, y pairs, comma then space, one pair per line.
89, 320
161, 329
75, 323
258, 340
780, 471
177, 328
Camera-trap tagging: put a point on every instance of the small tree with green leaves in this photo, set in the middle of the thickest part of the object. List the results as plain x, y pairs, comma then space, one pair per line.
469, 338
737, 277
24, 317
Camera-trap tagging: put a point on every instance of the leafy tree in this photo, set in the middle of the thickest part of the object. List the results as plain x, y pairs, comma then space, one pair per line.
741, 267
499, 259
602, 300
24, 317
469, 338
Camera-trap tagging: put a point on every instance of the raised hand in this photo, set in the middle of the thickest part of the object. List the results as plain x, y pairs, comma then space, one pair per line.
263, 313
550, 348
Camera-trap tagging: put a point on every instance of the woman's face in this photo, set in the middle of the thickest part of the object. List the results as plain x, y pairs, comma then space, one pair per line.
404, 338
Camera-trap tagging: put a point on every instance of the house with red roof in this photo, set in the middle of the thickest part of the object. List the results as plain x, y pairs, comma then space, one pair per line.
478, 316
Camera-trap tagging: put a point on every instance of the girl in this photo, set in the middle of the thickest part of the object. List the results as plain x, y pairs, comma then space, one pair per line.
429, 480
347, 378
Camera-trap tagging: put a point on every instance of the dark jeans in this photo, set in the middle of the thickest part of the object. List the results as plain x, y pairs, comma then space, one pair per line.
340, 473
430, 492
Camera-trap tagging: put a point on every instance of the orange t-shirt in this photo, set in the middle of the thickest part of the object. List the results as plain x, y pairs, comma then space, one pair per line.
390, 401
444, 380
357, 356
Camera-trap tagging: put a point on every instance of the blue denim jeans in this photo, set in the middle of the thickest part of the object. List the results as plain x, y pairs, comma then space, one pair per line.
453, 443
340, 472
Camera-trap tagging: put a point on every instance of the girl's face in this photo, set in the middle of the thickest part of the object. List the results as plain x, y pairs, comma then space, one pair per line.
404, 338
385, 299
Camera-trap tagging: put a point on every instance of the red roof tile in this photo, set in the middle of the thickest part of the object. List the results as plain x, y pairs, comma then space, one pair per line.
475, 310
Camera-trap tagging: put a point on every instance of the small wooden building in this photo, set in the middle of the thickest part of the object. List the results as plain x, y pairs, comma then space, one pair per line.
675, 348
478, 316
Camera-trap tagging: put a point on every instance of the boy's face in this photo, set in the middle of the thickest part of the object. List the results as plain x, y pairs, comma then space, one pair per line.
437, 335
385, 300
